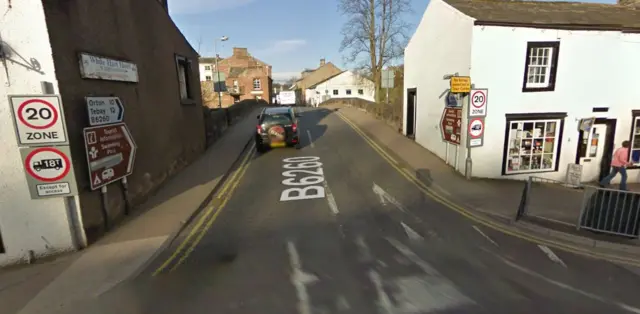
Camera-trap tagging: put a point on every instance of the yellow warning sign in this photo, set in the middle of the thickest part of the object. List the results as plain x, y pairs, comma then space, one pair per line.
460, 84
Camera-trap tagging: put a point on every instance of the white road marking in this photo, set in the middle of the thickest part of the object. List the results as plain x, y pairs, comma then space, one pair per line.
425, 294
384, 302
484, 235
310, 140
330, 199
342, 304
567, 287
386, 197
413, 236
552, 256
300, 279
364, 252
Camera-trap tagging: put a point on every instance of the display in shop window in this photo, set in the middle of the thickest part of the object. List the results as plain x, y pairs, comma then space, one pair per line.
532, 146
635, 142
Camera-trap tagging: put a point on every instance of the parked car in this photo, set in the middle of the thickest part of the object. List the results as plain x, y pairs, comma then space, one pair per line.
277, 127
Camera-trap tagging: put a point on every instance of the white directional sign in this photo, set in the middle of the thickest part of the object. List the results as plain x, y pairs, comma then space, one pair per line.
478, 102
38, 120
104, 110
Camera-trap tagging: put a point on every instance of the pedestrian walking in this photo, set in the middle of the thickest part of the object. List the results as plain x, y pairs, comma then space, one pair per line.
619, 164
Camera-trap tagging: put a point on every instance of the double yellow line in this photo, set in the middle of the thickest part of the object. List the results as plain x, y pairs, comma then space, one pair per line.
208, 217
438, 197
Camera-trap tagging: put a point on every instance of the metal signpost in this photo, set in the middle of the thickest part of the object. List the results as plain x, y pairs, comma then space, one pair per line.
49, 171
476, 113
110, 151
451, 125
38, 120
104, 110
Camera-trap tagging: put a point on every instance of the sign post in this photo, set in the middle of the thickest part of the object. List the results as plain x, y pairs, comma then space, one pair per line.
38, 120
104, 110
110, 151
476, 114
49, 171
451, 125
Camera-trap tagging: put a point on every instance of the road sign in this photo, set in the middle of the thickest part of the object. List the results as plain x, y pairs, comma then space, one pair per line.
49, 171
478, 102
460, 84
104, 110
38, 120
476, 132
110, 153
388, 78
451, 125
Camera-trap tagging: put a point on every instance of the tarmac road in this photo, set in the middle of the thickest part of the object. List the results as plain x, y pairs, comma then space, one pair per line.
371, 243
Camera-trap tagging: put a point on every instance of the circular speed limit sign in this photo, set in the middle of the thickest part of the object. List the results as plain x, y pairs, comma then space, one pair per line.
37, 114
478, 103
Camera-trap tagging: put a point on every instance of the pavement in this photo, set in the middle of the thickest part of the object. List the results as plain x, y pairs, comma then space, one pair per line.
338, 226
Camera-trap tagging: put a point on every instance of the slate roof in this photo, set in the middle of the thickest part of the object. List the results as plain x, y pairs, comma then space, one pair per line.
547, 14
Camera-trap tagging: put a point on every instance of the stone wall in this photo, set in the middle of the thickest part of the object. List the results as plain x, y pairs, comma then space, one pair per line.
391, 114
218, 120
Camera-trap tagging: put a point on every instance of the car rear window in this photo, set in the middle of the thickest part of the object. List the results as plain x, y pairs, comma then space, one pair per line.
277, 119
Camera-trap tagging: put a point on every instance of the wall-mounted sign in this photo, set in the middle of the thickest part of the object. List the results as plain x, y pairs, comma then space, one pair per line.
102, 68
49, 171
104, 110
460, 84
38, 120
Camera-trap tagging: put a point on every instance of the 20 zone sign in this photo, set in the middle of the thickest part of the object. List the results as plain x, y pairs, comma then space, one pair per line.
305, 176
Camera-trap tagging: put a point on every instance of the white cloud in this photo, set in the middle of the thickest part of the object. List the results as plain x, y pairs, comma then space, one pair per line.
203, 6
281, 46
283, 76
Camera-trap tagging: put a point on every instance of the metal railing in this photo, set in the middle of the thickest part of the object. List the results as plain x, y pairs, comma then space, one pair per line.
610, 211
550, 200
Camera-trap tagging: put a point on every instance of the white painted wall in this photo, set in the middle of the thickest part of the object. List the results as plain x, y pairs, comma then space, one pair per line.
204, 73
342, 82
39, 225
441, 45
595, 69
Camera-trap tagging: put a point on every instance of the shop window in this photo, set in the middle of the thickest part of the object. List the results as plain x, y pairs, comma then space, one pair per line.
532, 145
540, 66
635, 139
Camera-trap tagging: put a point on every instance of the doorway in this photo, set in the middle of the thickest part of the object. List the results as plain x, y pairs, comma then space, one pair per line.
412, 100
595, 148
2, 251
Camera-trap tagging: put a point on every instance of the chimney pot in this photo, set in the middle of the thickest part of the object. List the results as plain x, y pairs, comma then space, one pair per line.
322, 62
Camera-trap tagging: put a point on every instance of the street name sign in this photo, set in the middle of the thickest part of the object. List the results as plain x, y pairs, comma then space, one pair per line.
49, 171
110, 151
38, 120
104, 110
451, 124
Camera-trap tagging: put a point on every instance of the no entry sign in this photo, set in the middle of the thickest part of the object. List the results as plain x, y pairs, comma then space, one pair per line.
49, 171
38, 120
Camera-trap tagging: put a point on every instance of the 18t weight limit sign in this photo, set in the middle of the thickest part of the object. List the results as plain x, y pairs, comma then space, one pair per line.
478, 102
38, 120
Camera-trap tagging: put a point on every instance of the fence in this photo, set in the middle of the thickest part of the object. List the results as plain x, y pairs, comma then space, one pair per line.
583, 206
610, 211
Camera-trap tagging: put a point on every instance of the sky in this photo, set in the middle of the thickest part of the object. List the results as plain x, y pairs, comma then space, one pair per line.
291, 35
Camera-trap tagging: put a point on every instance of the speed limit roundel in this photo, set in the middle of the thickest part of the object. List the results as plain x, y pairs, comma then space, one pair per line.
39, 120
478, 101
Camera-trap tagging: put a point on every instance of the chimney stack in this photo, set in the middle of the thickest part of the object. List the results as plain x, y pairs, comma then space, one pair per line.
322, 62
240, 52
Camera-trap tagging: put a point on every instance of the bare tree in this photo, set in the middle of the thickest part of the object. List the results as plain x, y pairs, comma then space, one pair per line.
374, 35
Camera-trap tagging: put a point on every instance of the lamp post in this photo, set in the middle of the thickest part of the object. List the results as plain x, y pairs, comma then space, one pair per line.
215, 49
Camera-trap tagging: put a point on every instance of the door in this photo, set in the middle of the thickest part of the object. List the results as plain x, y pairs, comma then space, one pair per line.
412, 100
591, 152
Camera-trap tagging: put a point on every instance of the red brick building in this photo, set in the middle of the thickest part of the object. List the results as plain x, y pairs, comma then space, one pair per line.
246, 78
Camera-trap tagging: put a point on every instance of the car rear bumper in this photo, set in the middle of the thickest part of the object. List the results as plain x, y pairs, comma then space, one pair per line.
264, 140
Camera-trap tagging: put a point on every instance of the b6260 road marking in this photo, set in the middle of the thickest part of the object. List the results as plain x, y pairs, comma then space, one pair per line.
306, 176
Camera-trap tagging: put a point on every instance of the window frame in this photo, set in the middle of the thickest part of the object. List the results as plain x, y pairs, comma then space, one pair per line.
186, 64
259, 84
207, 68
559, 118
553, 66
208, 78
361, 91
635, 118
335, 92
347, 91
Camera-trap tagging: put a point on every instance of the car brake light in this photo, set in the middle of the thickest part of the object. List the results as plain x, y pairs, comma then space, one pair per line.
294, 127
259, 128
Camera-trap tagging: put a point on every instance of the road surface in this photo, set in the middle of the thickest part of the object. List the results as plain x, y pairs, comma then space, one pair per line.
369, 242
